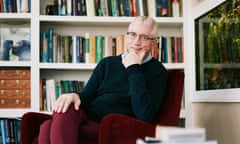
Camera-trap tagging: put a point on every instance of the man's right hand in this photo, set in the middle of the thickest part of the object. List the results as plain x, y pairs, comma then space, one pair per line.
64, 101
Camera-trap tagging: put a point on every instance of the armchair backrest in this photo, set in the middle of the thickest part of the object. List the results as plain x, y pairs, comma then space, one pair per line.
169, 113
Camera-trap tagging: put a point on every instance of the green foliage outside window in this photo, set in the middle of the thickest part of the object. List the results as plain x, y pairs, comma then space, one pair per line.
218, 47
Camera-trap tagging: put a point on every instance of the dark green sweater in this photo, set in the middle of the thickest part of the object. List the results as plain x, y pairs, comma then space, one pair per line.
136, 91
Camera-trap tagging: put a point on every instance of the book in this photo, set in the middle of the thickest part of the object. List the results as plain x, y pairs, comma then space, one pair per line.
164, 8
135, 8
59, 7
164, 52
126, 8
178, 134
2, 126
92, 48
69, 7
140, 7
68, 49
90, 8
64, 7
151, 5
87, 48
99, 48
10, 130
141, 141
74, 49
50, 45
24, 6
55, 47
51, 93
43, 46
1, 6
104, 7
5, 6
120, 44
108, 46
175, 8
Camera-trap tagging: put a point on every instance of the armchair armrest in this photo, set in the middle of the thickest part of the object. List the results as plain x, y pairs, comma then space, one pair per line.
119, 129
30, 125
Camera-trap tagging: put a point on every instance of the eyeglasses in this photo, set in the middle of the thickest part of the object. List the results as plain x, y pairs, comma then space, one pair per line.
142, 37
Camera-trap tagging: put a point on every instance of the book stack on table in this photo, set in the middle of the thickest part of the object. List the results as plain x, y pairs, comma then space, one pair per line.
177, 135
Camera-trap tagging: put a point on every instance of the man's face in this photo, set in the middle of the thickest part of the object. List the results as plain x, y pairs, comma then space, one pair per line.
137, 39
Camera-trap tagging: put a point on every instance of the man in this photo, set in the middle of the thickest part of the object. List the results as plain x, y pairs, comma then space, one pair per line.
132, 84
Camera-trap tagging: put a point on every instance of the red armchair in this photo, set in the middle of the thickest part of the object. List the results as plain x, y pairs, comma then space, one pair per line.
116, 128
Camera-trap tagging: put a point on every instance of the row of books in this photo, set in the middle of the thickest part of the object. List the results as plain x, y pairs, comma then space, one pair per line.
51, 89
10, 130
77, 49
15, 6
171, 49
67, 7
154, 8
91, 48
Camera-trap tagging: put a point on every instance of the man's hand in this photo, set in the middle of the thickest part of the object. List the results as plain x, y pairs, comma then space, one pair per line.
65, 100
133, 58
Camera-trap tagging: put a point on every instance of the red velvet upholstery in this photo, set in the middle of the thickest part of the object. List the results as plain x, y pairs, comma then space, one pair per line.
119, 129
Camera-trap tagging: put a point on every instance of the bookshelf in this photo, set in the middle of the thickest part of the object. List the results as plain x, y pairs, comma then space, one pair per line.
79, 25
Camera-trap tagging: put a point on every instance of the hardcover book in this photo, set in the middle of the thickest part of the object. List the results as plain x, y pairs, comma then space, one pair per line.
177, 134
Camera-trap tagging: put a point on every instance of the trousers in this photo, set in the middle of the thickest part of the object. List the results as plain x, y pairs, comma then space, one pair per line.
71, 127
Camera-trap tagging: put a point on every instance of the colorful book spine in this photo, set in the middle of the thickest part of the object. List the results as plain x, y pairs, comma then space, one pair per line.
59, 49
84, 8
82, 49
165, 50
5, 6
92, 46
164, 8
2, 125
87, 48
78, 56
55, 47
44, 47
134, 8
67, 49
18, 2
99, 48
140, 7
50, 45
64, 7
59, 7
69, 7
175, 8
126, 8
25, 6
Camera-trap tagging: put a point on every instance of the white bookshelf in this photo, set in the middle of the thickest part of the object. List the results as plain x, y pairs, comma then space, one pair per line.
72, 25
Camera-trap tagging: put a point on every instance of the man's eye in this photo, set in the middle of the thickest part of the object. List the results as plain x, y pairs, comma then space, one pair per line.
133, 34
144, 37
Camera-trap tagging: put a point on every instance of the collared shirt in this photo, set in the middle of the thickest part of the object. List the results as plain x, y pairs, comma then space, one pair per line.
148, 58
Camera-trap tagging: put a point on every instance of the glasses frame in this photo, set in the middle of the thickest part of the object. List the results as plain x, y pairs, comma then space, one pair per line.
141, 36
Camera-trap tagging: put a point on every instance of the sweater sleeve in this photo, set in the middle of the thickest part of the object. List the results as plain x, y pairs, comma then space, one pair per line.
147, 95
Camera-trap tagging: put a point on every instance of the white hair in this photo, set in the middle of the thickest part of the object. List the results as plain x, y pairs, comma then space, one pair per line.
146, 21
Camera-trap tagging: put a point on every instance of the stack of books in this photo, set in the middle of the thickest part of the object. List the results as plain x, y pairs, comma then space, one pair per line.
177, 135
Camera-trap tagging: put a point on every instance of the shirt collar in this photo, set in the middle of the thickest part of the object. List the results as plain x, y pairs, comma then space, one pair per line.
148, 58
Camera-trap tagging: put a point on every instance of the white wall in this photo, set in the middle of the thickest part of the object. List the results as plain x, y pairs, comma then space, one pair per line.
221, 120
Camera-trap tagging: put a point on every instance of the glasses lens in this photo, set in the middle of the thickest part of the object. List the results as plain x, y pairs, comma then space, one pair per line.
142, 37
132, 35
